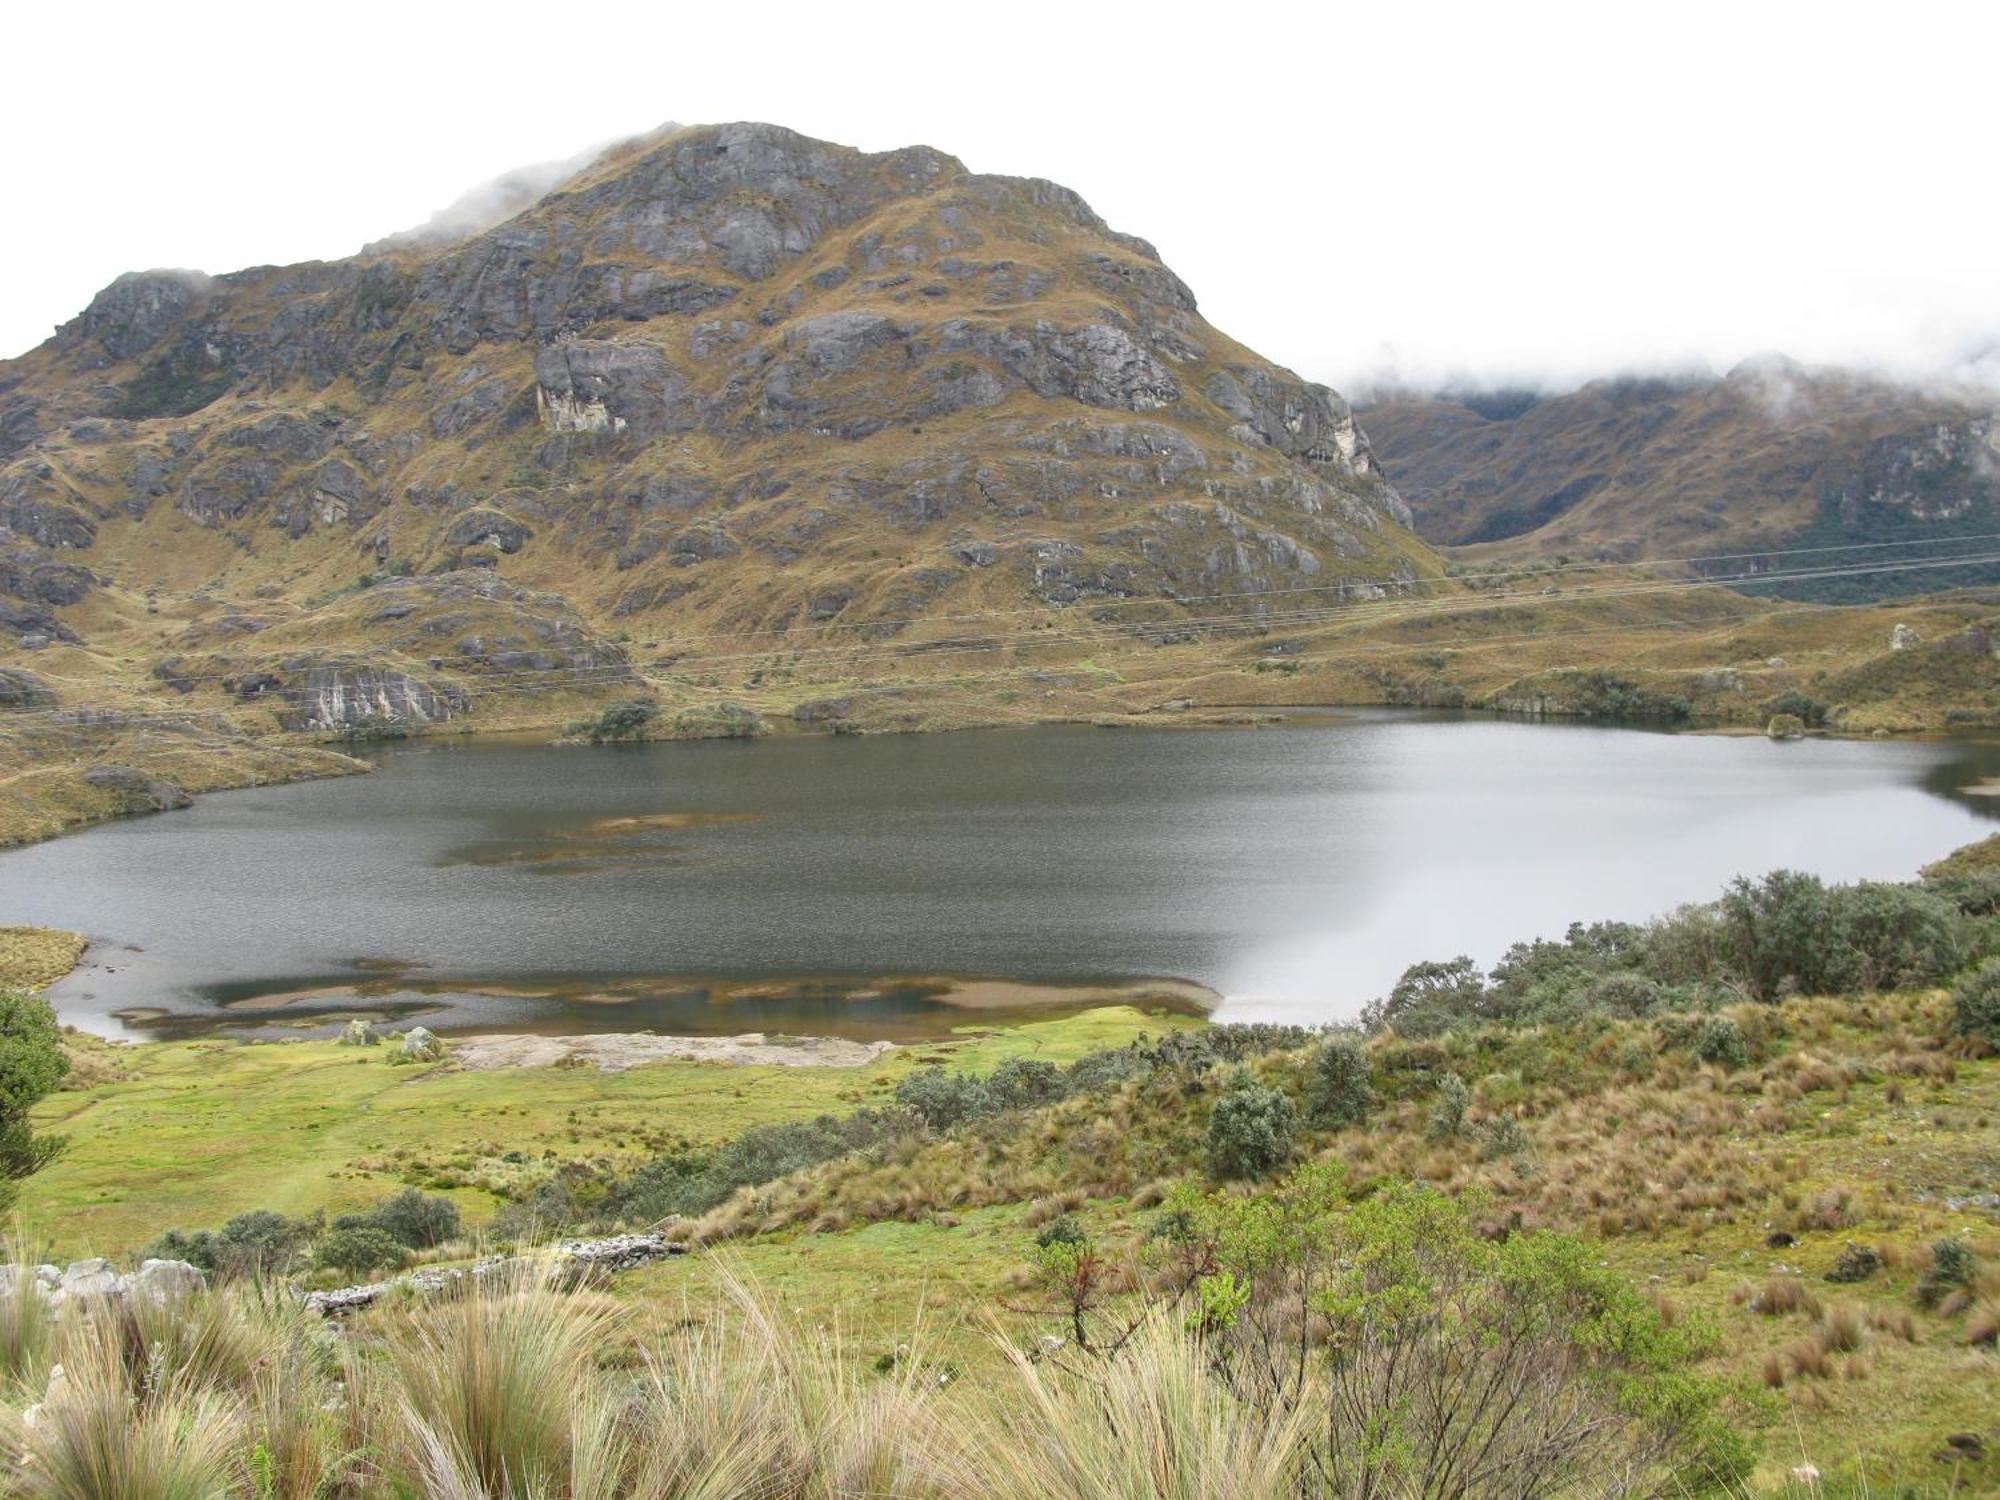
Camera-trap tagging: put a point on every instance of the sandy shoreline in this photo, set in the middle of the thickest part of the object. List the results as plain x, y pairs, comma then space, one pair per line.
617, 1051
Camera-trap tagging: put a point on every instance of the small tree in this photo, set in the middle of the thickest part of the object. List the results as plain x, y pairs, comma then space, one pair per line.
1431, 997
1341, 1093
1251, 1130
627, 719
410, 1218
32, 1063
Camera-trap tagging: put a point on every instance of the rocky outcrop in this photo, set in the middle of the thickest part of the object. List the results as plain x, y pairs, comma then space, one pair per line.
139, 309
162, 1282
611, 386
135, 791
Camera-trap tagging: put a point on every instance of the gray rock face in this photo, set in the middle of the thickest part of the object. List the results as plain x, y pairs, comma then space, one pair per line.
33, 514
349, 697
612, 386
138, 309
488, 528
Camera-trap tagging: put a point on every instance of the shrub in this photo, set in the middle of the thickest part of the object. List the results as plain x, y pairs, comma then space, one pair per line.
1900, 935
944, 1100
359, 1251
1025, 1083
1448, 1110
1430, 998
627, 719
1720, 1041
1624, 993
1786, 933
32, 1063
1250, 1132
257, 1243
1341, 1093
1953, 1266
1504, 1137
413, 1219
1063, 1229
1975, 1004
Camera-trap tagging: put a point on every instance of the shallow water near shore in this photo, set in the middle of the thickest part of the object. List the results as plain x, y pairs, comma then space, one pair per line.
897, 887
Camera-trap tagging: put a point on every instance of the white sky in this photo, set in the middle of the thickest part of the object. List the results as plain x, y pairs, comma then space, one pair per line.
1492, 190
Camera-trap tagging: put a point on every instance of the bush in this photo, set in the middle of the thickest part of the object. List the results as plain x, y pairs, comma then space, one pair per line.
258, 1243
627, 719
32, 1063
1786, 933
1063, 1229
1975, 1004
356, 1252
1721, 1041
1250, 1132
1624, 993
1430, 998
1341, 1093
1504, 1137
1026, 1083
1953, 1266
1900, 935
410, 1218
944, 1100
1448, 1112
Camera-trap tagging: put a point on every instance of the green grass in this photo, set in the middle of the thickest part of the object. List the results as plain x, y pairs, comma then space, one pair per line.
204, 1130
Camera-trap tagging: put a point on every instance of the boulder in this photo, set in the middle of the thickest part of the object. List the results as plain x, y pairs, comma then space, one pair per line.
421, 1044
94, 1277
165, 1281
358, 1034
1902, 638
1786, 727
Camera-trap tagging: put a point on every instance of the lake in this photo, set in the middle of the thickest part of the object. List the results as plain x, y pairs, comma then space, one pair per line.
851, 885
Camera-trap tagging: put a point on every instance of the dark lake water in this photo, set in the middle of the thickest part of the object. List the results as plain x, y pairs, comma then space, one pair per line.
835, 884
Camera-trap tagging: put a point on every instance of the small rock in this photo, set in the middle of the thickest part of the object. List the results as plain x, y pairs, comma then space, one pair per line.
422, 1044
1902, 638
358, 1034
165, 1281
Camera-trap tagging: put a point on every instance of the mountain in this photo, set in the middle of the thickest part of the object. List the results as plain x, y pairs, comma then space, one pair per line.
726, 389
1772, 455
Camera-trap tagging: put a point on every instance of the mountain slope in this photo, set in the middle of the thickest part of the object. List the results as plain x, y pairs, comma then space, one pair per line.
1770, 456
722, 385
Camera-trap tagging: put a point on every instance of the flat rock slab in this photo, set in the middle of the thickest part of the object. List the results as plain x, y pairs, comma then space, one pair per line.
615, 1053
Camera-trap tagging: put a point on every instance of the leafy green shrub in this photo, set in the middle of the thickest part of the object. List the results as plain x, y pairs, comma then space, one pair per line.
1448, 1110
1341, 1093
1721, 1041
1900, 935
627, 719
943, 1100
1975, 1004
1430, 998
1953, 1266
1063, 1229
1504, 1137
1251, 1130
32, 1063
1854, 1263
1026, 1083
356, 1252
411, 1218
1786, 934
